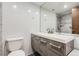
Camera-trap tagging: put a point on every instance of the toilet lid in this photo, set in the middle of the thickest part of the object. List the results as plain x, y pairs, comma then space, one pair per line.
17, 53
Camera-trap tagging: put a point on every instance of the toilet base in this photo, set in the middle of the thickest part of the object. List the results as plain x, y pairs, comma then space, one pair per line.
17, 53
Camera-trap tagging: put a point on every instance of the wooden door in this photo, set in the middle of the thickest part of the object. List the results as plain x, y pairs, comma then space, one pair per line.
75, 20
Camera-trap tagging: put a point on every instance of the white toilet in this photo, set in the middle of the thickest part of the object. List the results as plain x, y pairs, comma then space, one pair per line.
14, 46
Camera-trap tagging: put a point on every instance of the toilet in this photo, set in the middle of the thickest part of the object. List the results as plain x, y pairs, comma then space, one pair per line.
14, 46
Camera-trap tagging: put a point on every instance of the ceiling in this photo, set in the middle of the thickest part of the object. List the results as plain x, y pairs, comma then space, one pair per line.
57, 6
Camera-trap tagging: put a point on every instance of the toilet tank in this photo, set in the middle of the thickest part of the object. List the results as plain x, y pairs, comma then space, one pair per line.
14, 43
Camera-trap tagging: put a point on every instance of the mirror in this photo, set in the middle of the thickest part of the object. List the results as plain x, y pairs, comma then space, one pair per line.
56, 17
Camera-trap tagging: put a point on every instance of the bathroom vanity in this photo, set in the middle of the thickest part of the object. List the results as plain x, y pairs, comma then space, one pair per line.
52, 44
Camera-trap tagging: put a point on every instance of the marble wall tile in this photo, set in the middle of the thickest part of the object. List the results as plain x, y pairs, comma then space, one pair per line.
65, 23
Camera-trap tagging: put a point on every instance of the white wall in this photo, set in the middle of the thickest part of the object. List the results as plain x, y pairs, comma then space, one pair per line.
48, 20
19, 22
0, 28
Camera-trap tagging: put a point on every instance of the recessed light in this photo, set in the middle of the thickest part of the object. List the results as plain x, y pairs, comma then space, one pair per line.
37, 13
65, 6
14, 6
29, 11
45, 15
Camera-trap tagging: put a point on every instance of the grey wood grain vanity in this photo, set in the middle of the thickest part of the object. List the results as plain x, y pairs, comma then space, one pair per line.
49, 47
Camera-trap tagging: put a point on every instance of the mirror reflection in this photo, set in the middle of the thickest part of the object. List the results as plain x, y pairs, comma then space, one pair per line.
57, 17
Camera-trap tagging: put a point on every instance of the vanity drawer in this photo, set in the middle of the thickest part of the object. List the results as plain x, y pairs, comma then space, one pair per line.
43, 46
56, 47
51, 53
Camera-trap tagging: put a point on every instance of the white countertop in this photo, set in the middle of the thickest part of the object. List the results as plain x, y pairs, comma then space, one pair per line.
64, 38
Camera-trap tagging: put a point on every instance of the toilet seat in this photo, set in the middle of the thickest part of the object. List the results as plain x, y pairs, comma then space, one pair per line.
17, 53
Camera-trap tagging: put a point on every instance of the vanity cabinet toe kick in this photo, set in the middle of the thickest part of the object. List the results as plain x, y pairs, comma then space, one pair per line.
47, 47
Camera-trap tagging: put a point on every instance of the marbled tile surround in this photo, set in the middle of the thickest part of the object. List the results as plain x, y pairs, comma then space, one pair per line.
65, 23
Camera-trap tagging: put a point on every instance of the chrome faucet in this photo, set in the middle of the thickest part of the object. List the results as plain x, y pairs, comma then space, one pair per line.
50, 30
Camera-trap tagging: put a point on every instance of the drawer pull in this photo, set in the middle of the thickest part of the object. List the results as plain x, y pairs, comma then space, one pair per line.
42, 41
53, 45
